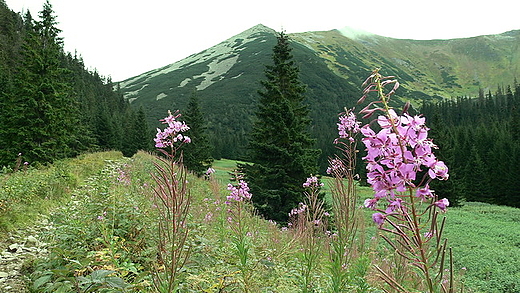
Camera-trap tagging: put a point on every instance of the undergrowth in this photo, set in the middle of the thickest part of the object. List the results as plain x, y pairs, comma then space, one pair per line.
103, 236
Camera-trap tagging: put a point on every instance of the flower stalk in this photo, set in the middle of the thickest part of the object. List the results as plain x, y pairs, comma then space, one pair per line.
237, 201
398, 150
171, 198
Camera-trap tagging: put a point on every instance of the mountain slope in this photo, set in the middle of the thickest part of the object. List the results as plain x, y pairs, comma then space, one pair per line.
227, 76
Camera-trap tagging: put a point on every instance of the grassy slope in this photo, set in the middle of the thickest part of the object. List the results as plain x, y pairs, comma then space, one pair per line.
484, 237
485, 240
436, 67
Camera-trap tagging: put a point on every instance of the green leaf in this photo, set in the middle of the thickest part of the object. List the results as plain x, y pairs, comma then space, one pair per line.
41, 281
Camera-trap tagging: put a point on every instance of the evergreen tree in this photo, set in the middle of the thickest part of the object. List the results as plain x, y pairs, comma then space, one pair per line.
136, 133
42, 121
280, 148
197, 154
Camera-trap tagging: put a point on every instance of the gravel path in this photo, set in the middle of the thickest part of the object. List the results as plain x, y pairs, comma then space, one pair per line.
20, 247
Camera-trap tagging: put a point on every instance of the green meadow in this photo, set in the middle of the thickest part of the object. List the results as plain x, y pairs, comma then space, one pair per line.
104, 232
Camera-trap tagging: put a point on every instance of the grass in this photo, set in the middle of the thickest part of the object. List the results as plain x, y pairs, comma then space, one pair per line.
26, 194
103, 239
486, 242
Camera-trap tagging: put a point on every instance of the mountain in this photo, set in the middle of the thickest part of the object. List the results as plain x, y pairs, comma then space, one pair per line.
333, 64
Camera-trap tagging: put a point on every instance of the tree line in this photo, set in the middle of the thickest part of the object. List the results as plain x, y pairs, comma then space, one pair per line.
51, 105
479, 139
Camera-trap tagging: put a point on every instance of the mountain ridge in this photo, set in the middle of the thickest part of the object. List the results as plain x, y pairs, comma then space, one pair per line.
226, 77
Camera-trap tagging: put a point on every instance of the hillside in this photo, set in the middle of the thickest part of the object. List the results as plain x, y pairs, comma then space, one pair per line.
99, 218
332, 64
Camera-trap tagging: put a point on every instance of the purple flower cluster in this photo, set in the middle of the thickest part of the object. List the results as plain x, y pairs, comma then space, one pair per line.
238, 193
312, 182
395, 155
172, 133
347, 125
299, 210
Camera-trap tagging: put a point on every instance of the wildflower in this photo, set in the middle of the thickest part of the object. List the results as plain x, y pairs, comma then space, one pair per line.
370, 203
347, 125
424, 192
428, 234
378, 218
312, 182
238, 193
172, 133
336, 165
442, 204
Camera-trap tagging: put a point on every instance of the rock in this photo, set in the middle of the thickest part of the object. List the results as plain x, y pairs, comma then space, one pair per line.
32, 240
4, 275
14, 247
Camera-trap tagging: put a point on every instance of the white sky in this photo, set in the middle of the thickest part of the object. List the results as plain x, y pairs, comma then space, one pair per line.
124, 38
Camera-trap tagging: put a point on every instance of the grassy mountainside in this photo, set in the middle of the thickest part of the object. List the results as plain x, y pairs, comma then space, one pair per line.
227, 76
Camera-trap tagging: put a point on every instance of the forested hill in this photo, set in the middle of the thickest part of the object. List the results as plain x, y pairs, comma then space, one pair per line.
480, 141
51, 106
333, 64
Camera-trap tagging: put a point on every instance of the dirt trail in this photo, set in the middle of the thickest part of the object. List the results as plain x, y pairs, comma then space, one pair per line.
19, 247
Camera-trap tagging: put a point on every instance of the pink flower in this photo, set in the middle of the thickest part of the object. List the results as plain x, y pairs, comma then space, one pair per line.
348, 125
442, 204
440, 170
312, 182
172, 133
238, 193
378, 218
424, 192
371, 203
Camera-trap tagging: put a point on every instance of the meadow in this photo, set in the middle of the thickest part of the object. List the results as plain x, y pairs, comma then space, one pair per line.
104, 235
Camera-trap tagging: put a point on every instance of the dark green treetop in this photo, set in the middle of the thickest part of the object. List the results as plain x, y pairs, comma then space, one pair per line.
197, 154
281, 150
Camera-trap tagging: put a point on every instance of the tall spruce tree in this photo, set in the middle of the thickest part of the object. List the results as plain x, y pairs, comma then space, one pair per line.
280, 148
197, 154
42, 121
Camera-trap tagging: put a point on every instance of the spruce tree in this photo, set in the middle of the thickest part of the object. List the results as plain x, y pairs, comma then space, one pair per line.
280, 148
197, 154
43, 117
136, 133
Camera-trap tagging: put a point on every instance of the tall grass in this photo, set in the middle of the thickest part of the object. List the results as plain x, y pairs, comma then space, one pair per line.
103, 239
25, 194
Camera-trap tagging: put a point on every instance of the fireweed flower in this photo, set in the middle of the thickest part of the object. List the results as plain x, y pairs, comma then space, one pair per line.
400, 164
336, 165
312, 182
238, 193
396, 151
442, 204
172, 133
348, 124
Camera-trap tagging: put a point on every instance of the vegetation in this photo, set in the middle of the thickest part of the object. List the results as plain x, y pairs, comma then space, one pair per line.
131, 221
197, 154
479, 139
51, 107
109, 227
280, 148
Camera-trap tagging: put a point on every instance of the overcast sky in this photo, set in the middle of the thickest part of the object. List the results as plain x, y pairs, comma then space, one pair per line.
124, 38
